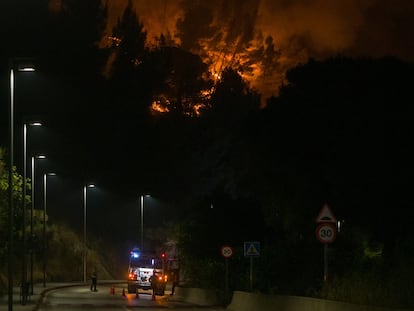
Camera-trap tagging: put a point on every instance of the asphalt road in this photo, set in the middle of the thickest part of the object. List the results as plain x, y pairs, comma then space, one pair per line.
82, 298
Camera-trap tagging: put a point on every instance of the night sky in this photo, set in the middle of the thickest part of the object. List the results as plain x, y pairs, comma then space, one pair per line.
224, 33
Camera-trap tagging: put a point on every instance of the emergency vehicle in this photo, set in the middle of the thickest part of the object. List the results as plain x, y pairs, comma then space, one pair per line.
146, 271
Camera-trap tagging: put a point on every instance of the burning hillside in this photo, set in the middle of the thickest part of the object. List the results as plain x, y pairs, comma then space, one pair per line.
262, 39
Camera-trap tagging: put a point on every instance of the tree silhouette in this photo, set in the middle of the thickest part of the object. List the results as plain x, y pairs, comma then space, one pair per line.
128, 45
178, 79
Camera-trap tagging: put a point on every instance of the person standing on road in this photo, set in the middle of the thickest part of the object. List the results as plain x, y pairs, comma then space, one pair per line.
94, 281
153, 280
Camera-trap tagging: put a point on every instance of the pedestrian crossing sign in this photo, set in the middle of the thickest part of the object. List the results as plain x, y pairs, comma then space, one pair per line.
251, 249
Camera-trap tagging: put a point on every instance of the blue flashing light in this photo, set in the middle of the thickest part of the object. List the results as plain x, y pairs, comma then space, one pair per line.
135, 253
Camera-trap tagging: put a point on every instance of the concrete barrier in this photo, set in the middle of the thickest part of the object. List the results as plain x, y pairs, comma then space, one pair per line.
243, 301
198, 296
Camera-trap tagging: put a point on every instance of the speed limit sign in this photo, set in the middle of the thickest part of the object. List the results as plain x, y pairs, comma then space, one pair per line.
226, 251
326, 232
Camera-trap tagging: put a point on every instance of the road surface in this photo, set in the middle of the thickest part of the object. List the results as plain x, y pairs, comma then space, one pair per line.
110, 298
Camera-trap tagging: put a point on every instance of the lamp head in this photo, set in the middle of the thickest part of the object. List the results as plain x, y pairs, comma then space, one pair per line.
24, 64
26, 68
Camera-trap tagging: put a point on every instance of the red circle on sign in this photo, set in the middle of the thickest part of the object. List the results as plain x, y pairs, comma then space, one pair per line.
326, 232
227, 251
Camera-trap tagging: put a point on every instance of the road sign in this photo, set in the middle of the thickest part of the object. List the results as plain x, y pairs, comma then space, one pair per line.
226, 251
251, 249
325, 215
326, 232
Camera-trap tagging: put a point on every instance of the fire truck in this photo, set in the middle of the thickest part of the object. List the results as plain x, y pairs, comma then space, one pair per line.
146, 271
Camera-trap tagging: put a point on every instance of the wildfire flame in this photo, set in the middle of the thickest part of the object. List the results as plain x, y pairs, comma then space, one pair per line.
262, 39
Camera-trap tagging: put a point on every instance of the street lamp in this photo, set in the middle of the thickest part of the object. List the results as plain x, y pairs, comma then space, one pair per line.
142, 219
44, 223
34, 158
84, 228
24, 263
10, 184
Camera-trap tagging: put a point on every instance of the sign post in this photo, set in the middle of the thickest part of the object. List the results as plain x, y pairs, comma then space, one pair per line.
325, 233
251, 249
226, 252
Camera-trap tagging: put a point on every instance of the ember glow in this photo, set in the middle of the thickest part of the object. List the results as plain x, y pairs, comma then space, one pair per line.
264, 38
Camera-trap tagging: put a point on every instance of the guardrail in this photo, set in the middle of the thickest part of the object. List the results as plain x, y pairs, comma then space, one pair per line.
244, 301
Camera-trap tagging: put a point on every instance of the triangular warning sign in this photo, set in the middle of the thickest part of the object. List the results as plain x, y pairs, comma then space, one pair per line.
325, 215
252, 250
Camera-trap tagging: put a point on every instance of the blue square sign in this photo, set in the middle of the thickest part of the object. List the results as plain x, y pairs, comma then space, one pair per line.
251, 249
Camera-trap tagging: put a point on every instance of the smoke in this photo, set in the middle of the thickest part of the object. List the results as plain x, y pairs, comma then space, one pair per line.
264, 38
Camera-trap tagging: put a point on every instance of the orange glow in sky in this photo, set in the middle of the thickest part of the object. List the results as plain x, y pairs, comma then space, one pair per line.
264, 38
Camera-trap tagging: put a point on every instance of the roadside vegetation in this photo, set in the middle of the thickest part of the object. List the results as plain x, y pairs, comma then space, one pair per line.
63, 254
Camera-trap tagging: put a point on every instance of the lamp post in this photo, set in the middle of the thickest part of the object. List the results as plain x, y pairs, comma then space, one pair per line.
34, 158
24, 190
142, 220
44, 223
10, 186
84, 227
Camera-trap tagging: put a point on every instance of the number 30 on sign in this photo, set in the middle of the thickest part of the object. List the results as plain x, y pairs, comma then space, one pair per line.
326, 233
